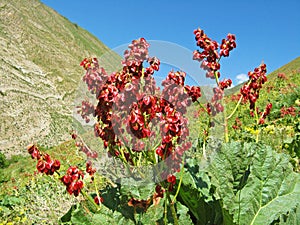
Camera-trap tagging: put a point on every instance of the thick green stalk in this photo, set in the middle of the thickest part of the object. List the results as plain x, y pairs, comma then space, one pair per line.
173, 211
165, 211
257, 122
180, 180
236, 107
225, 122
91, 200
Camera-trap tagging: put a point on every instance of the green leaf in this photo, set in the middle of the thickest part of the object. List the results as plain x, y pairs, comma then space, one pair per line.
137, 189
195, 194
255, 184
184, 217
292, 217
153, 214
196, 178
80, 216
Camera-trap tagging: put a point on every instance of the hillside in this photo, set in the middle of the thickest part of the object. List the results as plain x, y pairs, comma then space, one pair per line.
39, 72
293, 66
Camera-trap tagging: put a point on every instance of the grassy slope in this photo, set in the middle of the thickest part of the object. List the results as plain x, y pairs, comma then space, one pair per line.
39, 72
277, 130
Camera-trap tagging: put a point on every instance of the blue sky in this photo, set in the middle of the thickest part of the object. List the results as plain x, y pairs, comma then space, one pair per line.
266, 30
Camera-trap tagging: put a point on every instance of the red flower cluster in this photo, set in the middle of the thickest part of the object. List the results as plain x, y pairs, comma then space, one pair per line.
137, 53
210, 56
236, 97
83, 147
226, 83
227, 45
98, 200
265, 113
250, 90
86, 110
171, 179
128, 98
237, 124
45, 164
138, 123
73, 180
89, 169
288, 111
159, 191
95, 76
34, 152
282, 76
194, 92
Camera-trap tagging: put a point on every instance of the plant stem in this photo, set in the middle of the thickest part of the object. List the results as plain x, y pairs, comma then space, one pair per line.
96, 189
236, 107
180, 181
90, 199
257, 122
173, 211
225, 122
205, 138
216, 76
165, 212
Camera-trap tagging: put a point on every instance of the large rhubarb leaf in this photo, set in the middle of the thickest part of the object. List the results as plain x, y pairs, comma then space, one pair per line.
195, 194
255, 184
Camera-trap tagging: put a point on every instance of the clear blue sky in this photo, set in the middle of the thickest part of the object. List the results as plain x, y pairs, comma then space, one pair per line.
266, 30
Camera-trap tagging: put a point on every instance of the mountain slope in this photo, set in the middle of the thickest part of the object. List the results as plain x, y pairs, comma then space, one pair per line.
39, 73
289, 68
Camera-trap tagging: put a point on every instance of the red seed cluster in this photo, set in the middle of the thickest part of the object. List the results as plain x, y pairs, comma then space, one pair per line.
86, 110
95, 76
171, 179
45, 164
159, 191
227, 45
130, 98
137, 53
209, 56
263, 115
194, 92
174, 92
288, 111
34, 152
98, 200
138, 123
89, 169
226, 83
237, 124
282, 76
250, 90
73, 180
83, 147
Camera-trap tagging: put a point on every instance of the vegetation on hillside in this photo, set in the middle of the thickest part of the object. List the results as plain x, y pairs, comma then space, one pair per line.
40, 53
